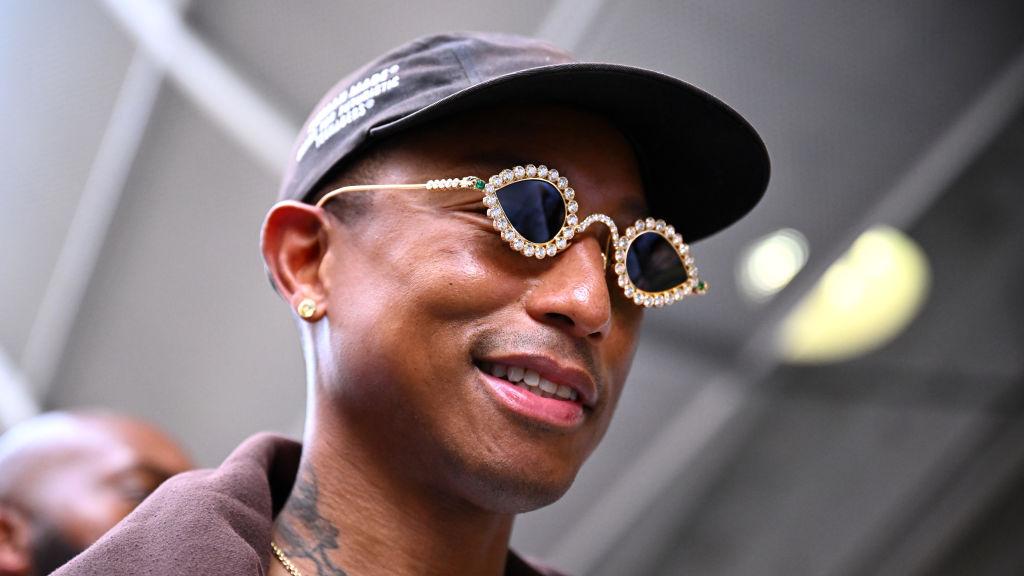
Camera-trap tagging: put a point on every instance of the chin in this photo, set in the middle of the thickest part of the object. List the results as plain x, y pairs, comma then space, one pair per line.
514, 489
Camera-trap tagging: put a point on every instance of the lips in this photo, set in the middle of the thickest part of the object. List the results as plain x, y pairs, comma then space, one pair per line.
540, 389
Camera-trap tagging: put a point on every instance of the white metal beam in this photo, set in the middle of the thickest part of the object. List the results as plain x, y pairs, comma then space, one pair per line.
232, 103
97, 205
167, 46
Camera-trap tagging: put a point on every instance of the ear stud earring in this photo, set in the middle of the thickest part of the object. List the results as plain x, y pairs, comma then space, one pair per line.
306, 308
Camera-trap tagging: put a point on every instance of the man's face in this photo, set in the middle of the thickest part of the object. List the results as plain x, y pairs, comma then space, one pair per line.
424, 298
95, 479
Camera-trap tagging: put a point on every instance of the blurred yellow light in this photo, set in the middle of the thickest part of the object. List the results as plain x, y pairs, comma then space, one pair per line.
769, 264
862, 302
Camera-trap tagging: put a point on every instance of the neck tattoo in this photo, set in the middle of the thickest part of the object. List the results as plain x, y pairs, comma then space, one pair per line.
307, 534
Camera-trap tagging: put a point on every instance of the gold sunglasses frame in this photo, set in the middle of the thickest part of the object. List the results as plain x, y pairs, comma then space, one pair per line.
571, 226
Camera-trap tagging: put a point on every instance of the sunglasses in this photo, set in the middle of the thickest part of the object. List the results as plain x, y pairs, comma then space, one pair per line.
536, 212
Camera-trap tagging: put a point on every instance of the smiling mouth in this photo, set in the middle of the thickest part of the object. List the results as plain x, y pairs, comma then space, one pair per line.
530, 381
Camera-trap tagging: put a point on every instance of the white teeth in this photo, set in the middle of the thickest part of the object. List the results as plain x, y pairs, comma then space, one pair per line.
531, 378
515, 373
532, 381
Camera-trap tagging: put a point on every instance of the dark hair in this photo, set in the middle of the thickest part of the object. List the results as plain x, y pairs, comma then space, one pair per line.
363, 169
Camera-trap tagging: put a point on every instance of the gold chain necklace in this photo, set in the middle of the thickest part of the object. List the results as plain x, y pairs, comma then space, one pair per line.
285, 561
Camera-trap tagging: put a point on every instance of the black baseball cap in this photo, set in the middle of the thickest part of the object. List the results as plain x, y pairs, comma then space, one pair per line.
703, 165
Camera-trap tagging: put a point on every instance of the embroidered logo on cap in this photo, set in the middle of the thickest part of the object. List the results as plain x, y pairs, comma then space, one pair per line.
346, 107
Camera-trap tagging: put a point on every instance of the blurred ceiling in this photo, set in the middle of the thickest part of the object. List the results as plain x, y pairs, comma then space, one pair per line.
140, 160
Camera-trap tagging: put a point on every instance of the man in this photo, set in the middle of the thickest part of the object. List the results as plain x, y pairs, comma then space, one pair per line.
456, 237
66, 478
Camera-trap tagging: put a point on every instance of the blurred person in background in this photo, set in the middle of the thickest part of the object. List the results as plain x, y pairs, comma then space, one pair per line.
468, 314
67, 478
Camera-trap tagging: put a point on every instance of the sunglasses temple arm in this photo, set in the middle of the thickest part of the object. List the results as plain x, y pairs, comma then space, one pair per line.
363, 187
441, 184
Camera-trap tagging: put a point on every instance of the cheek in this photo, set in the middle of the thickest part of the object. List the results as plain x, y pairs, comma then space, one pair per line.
402, 294
455, 282
440, 275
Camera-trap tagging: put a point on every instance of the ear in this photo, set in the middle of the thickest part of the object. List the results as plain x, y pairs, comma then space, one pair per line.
294, 242
15, 535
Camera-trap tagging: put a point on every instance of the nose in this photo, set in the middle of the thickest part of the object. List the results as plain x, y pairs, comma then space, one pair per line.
572, 293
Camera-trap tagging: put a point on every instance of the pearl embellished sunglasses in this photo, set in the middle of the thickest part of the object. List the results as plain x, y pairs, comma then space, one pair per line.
535, 211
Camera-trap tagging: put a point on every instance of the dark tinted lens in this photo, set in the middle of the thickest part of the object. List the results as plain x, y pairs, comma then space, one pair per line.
534, 208
653, 264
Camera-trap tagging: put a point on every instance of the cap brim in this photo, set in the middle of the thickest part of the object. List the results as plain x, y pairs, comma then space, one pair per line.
704, 166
